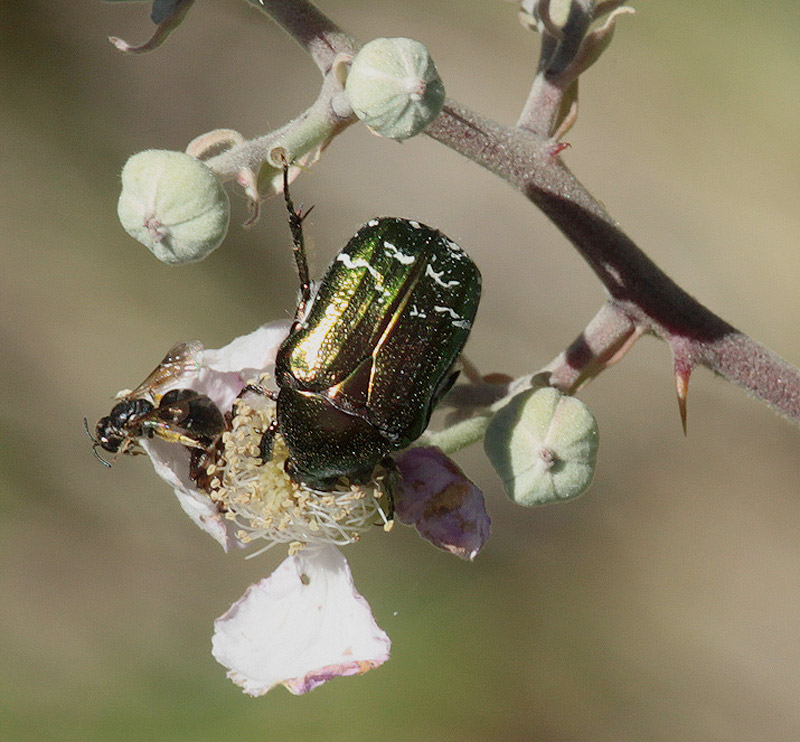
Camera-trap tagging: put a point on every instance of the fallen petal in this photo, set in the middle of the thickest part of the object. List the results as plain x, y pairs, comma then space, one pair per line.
438, 499
302, 626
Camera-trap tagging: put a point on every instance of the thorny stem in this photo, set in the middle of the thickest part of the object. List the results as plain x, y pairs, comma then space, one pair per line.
643, 299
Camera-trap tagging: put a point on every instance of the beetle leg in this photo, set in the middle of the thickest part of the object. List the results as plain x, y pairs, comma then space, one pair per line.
298, 244
393, 479
290, 468
258, 389
268, 441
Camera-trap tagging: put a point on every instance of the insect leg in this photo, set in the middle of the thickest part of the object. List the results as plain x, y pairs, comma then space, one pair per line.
393, 480
298, 243
268, 441
258, 389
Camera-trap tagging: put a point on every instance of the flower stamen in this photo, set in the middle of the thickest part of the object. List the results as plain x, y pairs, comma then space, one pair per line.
266, 503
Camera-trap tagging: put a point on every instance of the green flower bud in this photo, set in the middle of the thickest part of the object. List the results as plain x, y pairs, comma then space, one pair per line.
543, 444
394, 88
174, 205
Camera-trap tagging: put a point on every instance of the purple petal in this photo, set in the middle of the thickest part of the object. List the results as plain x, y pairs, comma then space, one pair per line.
441, 502
302, 626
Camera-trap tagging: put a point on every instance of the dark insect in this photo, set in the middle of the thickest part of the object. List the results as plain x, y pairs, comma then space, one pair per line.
372, 349
182, 416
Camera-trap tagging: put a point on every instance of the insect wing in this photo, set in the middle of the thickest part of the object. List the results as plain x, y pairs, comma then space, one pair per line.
412, 364
181, 361
187, 417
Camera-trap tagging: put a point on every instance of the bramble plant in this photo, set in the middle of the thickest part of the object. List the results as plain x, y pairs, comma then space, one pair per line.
541, 440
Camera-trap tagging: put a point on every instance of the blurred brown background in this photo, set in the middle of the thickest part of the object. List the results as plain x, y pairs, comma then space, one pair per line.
663, 605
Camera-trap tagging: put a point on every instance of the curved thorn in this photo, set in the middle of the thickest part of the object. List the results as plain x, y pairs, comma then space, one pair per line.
682, 373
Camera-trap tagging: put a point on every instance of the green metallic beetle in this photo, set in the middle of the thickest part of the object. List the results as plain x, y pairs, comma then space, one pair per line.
372, 348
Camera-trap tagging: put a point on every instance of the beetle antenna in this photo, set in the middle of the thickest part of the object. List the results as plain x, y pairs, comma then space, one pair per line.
298, 243
258, 389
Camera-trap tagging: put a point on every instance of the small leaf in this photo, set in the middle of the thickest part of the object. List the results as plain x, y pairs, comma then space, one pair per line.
166, 14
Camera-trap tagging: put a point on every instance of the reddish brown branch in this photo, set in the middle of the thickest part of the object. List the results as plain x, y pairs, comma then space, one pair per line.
639, 289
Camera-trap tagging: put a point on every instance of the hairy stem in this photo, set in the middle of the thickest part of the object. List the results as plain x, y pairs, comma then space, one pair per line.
311, 28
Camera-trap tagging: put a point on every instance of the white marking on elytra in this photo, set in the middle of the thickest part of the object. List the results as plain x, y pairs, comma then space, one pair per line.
448, 310
456, 251
343, 257
415, 312
457, 321
372, 223
437, 277
414, 224
397, 254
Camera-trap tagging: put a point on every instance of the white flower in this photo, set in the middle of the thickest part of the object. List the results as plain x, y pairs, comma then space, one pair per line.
306, 623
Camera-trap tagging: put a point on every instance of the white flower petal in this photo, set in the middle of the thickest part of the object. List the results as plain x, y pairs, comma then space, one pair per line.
256, 350
302, 626
225, 371
171, 463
